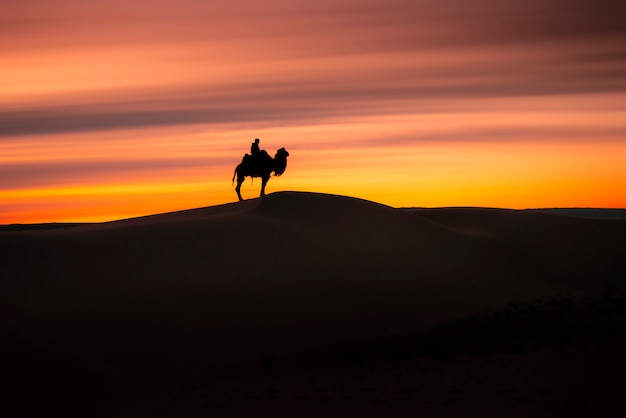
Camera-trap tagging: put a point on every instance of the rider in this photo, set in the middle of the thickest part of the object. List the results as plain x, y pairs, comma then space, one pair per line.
254, 148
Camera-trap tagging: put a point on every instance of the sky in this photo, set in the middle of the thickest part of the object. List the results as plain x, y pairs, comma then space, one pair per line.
124, 108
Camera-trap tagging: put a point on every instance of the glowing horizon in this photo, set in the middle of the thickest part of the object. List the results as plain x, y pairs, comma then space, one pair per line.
131, 108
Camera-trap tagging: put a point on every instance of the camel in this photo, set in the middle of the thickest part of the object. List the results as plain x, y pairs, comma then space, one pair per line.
261, 166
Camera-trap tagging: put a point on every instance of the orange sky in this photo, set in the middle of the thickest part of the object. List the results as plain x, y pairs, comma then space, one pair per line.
123, 108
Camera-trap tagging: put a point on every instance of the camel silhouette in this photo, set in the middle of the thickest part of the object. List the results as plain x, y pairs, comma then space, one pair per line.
260, 166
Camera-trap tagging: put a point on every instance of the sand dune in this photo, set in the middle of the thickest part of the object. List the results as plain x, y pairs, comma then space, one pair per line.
178, 296
571, 251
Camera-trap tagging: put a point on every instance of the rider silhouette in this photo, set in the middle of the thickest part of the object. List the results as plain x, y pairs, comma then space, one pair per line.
254, 148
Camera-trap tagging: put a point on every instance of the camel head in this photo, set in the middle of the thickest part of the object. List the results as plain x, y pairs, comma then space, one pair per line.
280, 161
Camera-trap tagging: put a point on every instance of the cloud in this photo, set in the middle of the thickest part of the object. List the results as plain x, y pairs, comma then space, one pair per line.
341, 89
285, 27
42, 173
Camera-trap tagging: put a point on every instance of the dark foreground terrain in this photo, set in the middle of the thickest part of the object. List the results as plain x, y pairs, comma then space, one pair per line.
303, 304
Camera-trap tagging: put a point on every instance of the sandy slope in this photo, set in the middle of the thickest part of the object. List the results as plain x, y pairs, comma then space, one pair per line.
175, 297
571, 251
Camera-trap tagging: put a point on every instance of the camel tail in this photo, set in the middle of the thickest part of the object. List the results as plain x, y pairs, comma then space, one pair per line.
235, 174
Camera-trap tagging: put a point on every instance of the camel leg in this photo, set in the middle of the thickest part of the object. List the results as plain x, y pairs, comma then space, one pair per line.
240, 180
263, 184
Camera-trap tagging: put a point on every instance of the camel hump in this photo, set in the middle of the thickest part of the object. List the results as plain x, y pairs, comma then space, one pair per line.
261, 156
256, 163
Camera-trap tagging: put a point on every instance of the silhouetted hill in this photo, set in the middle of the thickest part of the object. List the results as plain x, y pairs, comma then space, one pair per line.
184, 297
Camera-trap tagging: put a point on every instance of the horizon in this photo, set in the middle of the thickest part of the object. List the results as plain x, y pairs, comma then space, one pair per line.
598, 213
126, 109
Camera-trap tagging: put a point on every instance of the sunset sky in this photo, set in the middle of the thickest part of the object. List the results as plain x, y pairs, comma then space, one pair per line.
124, 108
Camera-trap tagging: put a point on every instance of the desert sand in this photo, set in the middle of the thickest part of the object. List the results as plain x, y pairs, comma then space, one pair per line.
304, 304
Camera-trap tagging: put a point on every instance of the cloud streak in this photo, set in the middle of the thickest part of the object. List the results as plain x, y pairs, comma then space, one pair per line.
351, 90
